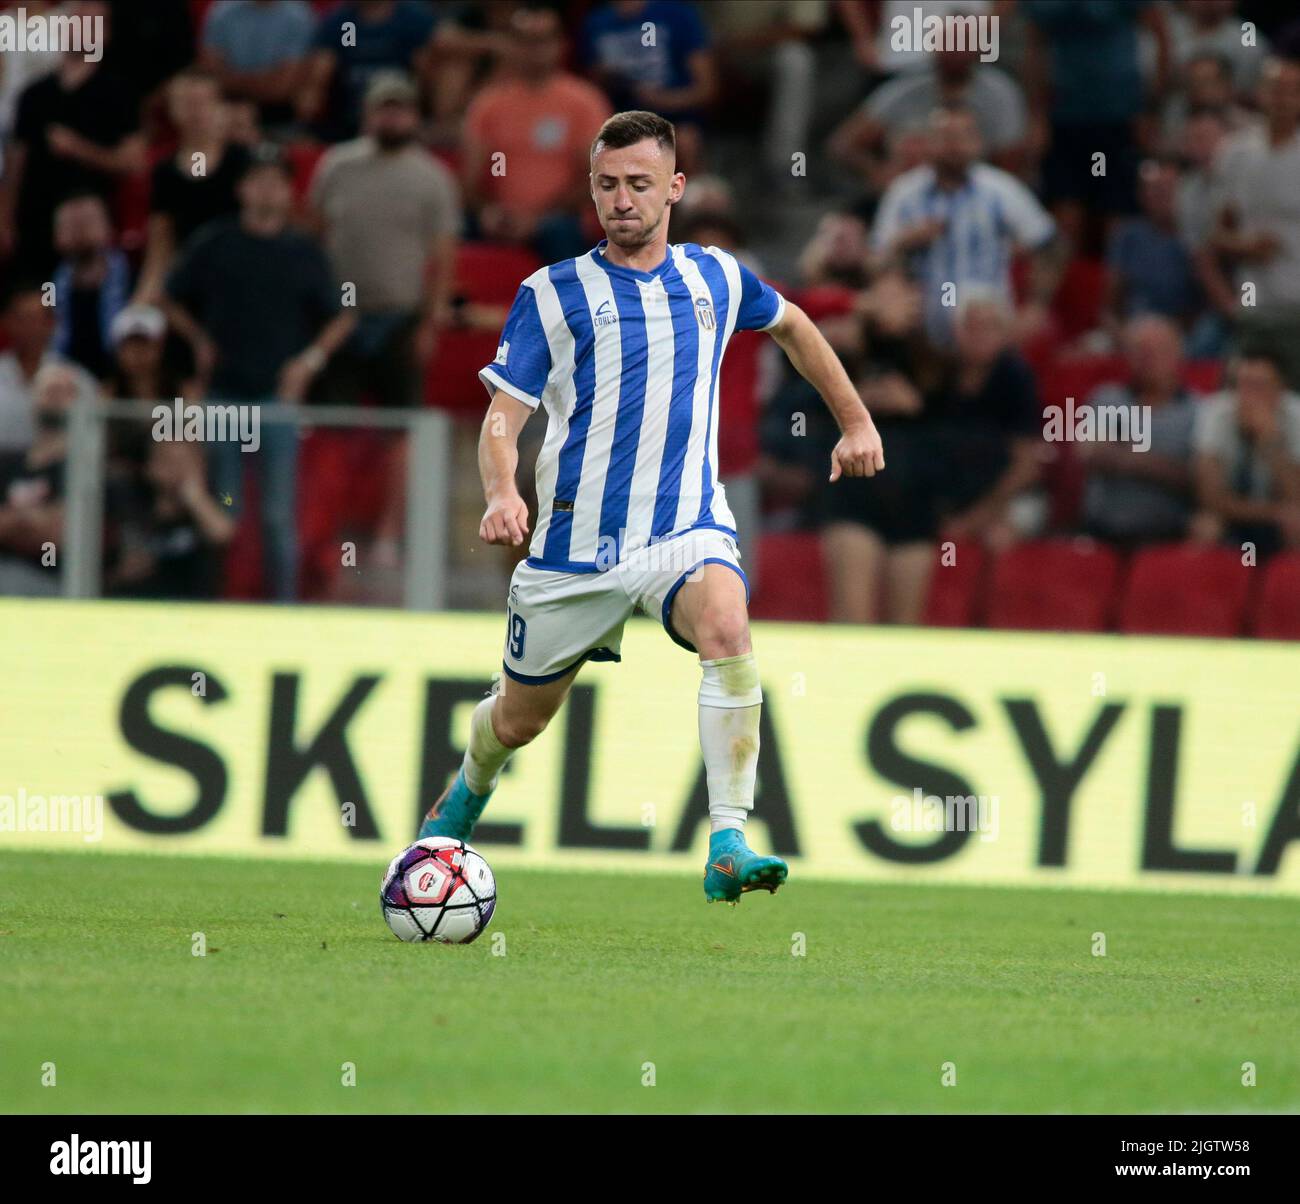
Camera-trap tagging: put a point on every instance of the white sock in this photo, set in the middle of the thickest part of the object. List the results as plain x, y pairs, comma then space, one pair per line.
730, 706
485, 754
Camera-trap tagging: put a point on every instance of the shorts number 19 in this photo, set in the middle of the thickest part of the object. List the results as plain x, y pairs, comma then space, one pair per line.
518, 633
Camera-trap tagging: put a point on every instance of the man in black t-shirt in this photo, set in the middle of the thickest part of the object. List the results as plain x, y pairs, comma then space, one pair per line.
76, 130
195, 185
258, 303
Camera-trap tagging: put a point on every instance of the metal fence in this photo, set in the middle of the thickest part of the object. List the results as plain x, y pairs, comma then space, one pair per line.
425, 581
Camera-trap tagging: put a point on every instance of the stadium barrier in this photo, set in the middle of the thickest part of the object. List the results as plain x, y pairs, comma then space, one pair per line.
324, 733
427, 485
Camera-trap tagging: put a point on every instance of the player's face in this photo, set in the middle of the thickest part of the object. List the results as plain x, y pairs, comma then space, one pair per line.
633, 186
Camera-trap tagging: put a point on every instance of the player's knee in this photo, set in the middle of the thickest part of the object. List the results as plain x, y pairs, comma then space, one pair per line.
721, 631
514, 731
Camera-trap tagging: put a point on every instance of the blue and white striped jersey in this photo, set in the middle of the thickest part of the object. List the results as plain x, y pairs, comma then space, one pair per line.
626, 363
985, 221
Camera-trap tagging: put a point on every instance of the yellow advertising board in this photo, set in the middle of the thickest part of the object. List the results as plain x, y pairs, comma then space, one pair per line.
886, 754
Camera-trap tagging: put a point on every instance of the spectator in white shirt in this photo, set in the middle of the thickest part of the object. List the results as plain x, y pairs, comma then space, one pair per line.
957, 222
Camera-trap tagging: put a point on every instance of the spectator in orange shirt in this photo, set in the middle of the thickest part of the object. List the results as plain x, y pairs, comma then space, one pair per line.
527, 145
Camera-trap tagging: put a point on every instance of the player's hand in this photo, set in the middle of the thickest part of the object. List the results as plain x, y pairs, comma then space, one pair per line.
505, 521
859, 453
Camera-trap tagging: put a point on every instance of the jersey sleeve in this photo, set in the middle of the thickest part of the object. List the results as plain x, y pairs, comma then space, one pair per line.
761, 306
523, 359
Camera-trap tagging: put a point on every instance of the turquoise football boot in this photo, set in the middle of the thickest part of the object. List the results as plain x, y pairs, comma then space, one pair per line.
456, 812
735, 868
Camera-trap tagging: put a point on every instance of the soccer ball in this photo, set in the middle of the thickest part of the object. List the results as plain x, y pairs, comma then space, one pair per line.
439, 889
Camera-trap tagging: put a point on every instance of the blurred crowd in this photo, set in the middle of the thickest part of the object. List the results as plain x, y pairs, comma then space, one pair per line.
255, 201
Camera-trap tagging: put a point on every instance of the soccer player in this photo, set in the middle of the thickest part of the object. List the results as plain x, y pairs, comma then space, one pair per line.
623, 347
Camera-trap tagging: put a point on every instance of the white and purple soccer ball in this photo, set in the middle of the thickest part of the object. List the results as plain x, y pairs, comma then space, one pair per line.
438, 889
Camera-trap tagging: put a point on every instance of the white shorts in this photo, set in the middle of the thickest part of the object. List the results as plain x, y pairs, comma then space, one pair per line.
555, 621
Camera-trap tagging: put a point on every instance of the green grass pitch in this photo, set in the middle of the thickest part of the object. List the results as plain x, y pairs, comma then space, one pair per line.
604, 973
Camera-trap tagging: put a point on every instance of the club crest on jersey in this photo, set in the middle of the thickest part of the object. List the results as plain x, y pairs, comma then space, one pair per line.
605, 315
704, 312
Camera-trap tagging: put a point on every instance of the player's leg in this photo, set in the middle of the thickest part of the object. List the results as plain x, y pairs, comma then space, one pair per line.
708, 612
499, 725
554, 622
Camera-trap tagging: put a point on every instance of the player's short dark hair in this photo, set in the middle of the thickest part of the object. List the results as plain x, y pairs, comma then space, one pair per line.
633, 126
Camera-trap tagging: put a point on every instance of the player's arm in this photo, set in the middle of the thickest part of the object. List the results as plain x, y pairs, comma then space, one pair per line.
505, 521
859, 452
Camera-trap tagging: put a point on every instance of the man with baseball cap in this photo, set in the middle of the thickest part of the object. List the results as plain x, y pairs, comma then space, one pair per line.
389, 214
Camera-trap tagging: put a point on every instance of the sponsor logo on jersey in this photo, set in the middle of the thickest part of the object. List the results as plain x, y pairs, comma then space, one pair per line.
605, 315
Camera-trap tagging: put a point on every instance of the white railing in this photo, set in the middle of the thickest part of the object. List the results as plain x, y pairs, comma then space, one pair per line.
427, 487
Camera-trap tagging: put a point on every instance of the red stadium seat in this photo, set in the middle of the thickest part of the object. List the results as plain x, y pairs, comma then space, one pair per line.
1079, 299
451, 380
1277, 616
1054, 585
954, 595
1203, 376
793, 584
304, 158
487, 274
198, 15
337, 487
1078, 376
492, 272
825, 301
1186, 589
131, 211
1075, 377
